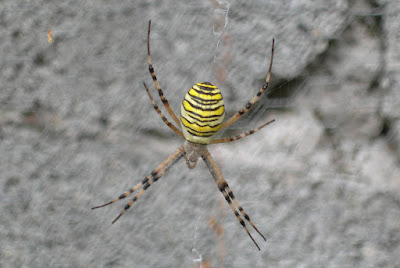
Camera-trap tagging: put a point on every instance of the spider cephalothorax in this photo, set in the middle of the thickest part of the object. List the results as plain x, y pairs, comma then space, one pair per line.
202, 115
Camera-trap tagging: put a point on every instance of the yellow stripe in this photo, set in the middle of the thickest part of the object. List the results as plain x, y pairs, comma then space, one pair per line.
200, 131
202, 101
203, 106
206, 85
202, 113
201, 123
208, 136
206, 90
202, 119
197, 128
205, 94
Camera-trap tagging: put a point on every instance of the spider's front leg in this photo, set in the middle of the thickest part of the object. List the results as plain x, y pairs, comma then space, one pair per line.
228, 195
154, 176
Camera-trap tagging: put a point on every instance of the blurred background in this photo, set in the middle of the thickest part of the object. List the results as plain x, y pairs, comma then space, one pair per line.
77, 129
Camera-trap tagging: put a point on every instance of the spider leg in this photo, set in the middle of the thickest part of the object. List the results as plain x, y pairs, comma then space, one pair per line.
228, 195
239, 114
154, 176
245, 134
153, 75
169, 124
246, 216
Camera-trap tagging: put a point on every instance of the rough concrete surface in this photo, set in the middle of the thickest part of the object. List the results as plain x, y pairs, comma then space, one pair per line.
77, 129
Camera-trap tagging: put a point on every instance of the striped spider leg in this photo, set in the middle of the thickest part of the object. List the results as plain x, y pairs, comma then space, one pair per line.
228, 194
201, 118
154, 77
240, 113
154, 176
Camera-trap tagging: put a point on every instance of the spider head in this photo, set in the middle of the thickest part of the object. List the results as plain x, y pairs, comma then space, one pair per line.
193, 152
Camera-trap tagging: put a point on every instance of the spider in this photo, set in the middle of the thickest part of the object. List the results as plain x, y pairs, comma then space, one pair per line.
202, 114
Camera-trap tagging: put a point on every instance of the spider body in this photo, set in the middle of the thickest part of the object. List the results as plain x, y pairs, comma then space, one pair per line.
202, 115
193, 152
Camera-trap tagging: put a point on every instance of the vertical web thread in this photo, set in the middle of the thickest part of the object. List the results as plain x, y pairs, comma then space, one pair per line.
221, 14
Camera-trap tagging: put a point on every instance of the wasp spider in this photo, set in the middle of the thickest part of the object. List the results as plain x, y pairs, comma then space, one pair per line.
202, 115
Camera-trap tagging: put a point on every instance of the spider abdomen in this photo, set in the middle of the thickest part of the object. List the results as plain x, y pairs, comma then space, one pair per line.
202, 113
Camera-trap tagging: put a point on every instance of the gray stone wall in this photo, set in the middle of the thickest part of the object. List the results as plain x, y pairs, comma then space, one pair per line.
322, 183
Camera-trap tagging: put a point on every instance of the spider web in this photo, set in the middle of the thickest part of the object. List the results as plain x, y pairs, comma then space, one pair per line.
221, 20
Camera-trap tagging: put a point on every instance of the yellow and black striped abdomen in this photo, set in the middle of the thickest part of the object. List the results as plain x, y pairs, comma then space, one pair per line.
202, 113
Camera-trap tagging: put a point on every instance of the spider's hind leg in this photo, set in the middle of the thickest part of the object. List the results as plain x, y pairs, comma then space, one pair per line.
154, 77
239, 114
169, 124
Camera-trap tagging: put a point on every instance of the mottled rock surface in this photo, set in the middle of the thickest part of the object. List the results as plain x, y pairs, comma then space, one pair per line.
77, 129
